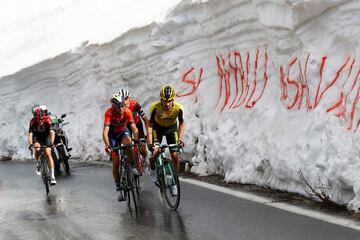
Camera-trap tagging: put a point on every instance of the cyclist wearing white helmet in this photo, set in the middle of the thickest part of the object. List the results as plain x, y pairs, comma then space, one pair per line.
115, 131
138, 114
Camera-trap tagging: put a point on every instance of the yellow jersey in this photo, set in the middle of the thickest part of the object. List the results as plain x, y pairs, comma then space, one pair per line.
163, 118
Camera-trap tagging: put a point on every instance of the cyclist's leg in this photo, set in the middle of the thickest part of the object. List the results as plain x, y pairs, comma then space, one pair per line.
36, 147
36, 154
114, 142
172, 138
48, 153
50, 160
158, 133
143, 149
126, 139
116, 164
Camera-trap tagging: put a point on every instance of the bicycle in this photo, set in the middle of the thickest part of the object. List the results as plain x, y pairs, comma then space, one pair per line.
167, 176
128, 179
45, 173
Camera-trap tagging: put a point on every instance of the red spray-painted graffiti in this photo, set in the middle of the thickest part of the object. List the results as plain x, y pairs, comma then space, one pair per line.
194, 83
235, 70
302, 88
240, 84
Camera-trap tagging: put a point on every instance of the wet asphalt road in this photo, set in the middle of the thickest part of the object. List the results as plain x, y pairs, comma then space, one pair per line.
83, 206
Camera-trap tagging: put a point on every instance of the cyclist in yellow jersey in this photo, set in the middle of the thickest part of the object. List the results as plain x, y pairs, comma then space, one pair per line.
164, 115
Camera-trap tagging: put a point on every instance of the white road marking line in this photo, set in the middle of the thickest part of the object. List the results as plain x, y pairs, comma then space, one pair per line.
338, 220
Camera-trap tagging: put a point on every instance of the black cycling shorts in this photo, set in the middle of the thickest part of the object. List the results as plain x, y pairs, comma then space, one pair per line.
170, 133
42, 139
140, 128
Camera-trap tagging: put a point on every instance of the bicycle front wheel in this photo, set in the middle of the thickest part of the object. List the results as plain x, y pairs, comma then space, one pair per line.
171, 185
131, 186
45, 174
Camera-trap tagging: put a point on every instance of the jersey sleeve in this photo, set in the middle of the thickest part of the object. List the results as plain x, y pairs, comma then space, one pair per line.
129, 116
107, 119
30, 126
152, 113
50, 123
139, 109
180, 116
181, 113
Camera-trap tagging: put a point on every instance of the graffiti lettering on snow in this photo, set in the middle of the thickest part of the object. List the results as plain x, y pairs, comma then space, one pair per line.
238, 81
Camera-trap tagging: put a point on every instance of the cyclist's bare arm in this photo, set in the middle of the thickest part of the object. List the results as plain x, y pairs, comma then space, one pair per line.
52, 136
30, 138
149, 130
134, 131
106, 139
105, 135
150, 127
146, 122
181, 130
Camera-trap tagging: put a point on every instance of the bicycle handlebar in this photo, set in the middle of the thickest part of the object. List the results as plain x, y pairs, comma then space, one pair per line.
163, 146
122, 147
42, 147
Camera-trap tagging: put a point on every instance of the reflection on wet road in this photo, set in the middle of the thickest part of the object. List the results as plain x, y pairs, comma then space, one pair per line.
81, 206
84, 206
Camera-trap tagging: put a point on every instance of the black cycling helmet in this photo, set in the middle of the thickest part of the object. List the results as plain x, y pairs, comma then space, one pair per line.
167, 93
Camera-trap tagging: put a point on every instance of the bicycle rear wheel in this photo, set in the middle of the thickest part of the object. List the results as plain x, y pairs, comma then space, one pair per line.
171, 185
137, 184
64, 158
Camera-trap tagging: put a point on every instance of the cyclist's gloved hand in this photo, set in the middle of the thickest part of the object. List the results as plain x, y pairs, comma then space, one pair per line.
52, 145
31, 147
151, 147
181, 144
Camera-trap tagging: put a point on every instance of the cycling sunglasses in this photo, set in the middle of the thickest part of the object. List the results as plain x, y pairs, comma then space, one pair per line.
118, 106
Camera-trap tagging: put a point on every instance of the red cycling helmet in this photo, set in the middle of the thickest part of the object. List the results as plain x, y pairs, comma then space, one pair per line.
39, 114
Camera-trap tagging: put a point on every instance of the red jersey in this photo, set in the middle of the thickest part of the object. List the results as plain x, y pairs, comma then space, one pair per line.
117, 122
136, 110
40, 128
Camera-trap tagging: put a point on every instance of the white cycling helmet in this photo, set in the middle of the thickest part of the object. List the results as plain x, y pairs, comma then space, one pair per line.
44, 109
117, 100
124, 93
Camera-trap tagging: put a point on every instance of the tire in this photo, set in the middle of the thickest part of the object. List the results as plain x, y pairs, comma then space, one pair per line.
137, 185
45, 174
139, 168
160, 177
64, 159
170, 179
131, 187
56, 159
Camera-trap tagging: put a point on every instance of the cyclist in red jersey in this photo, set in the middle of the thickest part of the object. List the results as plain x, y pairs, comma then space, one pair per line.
41, 133
138, 113
115, 131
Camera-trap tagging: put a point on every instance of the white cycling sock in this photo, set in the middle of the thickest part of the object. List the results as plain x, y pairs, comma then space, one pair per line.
52, 173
